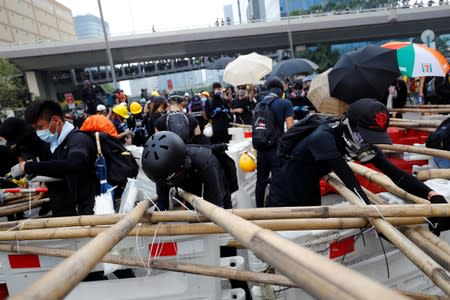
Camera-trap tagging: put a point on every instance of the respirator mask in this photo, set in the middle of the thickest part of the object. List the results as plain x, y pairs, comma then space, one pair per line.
355, 146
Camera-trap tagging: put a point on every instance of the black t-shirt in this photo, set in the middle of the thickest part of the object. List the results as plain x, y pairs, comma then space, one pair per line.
246, 116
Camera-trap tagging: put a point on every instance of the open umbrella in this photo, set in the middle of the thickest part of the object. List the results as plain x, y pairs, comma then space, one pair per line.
247, 69
363, 73
294, 66
418, 60
220, 63
319, 95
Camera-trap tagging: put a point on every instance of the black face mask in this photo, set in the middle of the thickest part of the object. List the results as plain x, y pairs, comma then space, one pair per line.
355, 146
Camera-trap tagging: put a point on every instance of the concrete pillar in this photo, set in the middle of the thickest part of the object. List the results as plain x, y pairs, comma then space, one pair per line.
40, 84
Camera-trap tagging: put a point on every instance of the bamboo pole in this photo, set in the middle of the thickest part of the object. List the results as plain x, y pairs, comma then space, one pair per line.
404, 210
421, 110
197, 269
418, 257
246, 126
201, 228
424, 123
433, 173
415, 149
434, 240
318, 276
386, 182
428, 106
437, 254
20, 207
58, 282
412, 232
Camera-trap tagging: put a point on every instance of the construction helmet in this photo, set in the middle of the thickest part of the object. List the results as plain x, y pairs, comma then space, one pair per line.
164, 155
247, 162
135, 108
121, 110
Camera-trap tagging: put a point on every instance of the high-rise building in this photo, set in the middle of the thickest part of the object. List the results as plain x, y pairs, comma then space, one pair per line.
228, 13
89, 26
33, 20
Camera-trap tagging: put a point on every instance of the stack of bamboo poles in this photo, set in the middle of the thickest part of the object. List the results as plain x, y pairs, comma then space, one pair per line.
17, 203
301, 268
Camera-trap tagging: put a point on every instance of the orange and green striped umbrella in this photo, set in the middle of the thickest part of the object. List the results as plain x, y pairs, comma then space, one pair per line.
418, 60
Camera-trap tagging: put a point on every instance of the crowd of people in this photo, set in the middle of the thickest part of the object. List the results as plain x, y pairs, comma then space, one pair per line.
49, 143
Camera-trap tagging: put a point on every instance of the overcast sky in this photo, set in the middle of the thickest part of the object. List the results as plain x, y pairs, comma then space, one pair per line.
126, 16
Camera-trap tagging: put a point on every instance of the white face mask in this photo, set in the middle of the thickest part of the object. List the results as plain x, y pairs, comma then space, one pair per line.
3, 142
46, 135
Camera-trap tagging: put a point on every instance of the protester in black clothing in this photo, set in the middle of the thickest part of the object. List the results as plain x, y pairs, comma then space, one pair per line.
156, 108
268, 163
170, 163
136, 124
177, 121
196, 109
300, 104
325, 150
217, 109
241, 108
73, 155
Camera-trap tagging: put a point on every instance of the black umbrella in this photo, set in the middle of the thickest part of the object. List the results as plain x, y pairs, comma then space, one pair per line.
363, 73
220, 63
294, 66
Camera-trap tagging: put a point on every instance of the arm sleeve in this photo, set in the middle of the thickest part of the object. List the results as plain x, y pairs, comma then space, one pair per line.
288, 110
345, 173
404, 180
162, 191
74, 163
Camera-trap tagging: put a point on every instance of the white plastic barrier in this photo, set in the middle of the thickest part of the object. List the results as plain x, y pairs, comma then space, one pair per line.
233, 294
233, 262
20, 270
245, 196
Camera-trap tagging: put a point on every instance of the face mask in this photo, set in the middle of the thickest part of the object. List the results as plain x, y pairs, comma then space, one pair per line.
356, 147
203, 99
45, 134
3, 142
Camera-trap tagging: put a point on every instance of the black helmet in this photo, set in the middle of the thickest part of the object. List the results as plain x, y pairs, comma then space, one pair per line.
274, 82
164, 155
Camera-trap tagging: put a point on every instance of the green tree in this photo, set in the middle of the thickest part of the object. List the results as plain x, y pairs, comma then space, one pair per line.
442, 45
13, 92
322, 55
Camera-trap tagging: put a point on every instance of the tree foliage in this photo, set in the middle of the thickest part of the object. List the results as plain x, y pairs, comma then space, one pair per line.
13, 92
342, 5
322, 55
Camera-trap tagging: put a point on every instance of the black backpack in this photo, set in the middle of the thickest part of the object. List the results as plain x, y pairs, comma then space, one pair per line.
120, 163
440, 138
299, 131
197, 108
178, 122
265, 131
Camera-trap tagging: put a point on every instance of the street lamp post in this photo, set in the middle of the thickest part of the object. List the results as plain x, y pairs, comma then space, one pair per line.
291, 46
239, 11
108, 49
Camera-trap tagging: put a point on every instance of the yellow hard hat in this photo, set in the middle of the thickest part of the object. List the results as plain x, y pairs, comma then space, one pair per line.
205, 93
154, 93
135, 108
121, 110
247, 162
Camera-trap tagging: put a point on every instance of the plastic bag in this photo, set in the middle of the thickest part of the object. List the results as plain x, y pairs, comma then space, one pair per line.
135, 191
104, 203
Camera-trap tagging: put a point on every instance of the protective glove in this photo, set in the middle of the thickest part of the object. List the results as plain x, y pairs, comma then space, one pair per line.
217, 110
225, 110
296, 108
438, 224
16, 171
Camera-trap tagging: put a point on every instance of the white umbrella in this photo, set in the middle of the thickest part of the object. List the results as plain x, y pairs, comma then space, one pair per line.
247, 69
319, 95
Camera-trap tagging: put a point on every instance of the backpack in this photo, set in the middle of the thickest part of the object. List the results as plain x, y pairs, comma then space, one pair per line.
197, 108
178, 122
120, 163
299, 131
440, 138
265, 131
